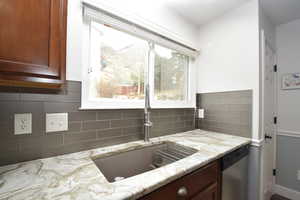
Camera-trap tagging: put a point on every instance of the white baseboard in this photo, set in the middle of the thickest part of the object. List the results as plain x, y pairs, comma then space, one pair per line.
268, 194
269, 191
286, 192
288, 133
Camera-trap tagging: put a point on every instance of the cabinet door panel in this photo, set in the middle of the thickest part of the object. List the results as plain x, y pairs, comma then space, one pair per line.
18, 21
210, 193
33, 40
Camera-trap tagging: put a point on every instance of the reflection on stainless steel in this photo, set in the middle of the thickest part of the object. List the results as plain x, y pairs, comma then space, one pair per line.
235, 175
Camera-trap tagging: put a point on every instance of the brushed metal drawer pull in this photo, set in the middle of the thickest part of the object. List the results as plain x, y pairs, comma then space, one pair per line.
182, 192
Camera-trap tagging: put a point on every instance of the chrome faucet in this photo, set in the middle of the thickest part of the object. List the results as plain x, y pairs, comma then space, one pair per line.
147, 122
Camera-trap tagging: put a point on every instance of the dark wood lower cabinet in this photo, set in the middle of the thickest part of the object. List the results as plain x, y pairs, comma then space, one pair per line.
203, 184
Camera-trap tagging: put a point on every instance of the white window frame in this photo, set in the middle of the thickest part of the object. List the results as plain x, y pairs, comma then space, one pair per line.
189, 102
99, 103
102, 103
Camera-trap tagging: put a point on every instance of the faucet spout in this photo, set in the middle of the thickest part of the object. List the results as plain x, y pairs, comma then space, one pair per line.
147, 115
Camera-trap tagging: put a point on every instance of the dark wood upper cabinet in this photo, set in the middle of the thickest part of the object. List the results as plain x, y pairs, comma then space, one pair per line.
33, 43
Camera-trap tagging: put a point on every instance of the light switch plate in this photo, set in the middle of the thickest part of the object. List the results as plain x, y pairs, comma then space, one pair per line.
56, 122
23, 123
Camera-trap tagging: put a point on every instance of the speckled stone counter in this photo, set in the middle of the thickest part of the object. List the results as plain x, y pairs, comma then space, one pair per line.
76, 177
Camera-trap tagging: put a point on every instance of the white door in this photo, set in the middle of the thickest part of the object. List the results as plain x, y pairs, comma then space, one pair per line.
268, 125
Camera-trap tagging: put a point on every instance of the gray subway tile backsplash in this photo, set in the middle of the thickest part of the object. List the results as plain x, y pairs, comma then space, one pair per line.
82, 116
87, 129
109, 133
132, 114
9, 96
80, 136
56, 107
74, 126
133, 130
8, 145
126, 123
227, 112
72, 97
109, 115
95, 125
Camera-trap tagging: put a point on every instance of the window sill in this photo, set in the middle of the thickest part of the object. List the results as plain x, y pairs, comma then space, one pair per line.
134, 108
123, 105
110, 108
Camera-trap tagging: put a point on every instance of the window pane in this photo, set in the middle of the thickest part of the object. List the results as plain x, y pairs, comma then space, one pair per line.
117, 61
171, 69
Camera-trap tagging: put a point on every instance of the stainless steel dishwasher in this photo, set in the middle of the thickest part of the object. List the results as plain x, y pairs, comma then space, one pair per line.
235, 174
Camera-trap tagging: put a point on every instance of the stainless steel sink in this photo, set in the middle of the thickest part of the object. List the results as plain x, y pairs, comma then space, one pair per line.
127, 164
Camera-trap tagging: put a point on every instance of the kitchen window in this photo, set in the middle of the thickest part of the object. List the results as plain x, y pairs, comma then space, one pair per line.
171, 79
117, 64
119, 58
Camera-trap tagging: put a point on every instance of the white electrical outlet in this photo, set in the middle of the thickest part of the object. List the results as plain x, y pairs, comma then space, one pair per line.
200, 113
56, 122
298, 175
23, 123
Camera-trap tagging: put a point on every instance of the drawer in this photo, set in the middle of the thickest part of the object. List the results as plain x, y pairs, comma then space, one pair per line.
189, 185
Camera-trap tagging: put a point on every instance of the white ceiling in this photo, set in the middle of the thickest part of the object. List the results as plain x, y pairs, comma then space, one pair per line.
281, 11
199, 12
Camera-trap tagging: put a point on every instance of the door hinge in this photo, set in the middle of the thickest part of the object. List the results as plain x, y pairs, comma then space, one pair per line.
275, 68
274, 172
275, 120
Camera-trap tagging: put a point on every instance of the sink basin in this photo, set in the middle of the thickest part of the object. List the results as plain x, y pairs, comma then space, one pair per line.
127, 164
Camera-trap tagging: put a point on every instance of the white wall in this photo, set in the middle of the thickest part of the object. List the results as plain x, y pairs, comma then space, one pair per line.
229, 57
268, 27
154, 13
74, 41
288, 46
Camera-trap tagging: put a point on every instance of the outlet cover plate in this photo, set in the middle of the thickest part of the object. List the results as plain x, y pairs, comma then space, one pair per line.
23, 124
201, 113
56, 122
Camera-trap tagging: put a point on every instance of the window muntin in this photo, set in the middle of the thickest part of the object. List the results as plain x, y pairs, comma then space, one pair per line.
117, 61
170, 75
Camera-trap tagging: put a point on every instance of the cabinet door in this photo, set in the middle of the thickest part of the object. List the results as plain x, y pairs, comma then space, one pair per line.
210, 193
192, 185
33, 42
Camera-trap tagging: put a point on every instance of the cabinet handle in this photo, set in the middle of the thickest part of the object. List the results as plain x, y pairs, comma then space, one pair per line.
182, 192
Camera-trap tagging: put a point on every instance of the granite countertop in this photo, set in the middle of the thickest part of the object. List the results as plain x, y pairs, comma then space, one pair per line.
76, 177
